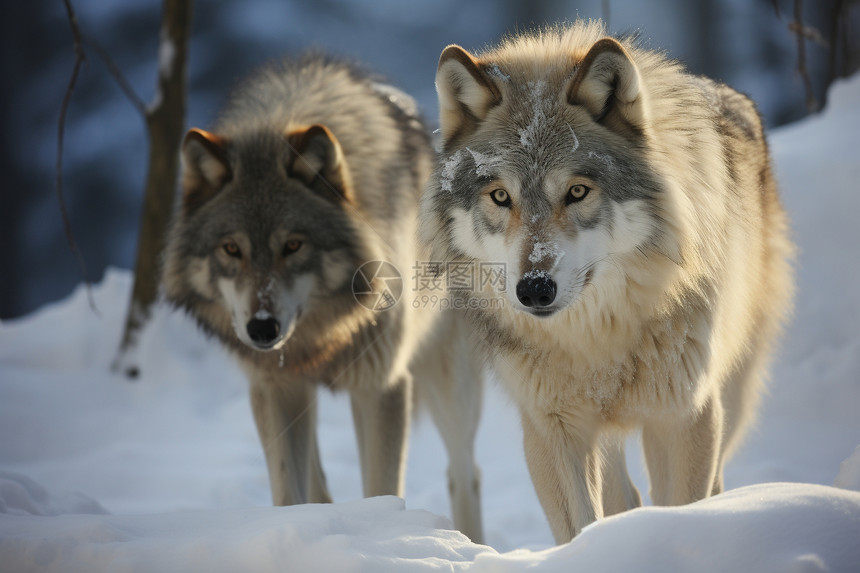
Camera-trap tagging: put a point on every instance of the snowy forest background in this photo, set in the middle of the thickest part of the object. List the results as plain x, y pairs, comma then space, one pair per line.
746, 43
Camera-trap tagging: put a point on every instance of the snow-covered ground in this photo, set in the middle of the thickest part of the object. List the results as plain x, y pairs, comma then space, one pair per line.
166, 474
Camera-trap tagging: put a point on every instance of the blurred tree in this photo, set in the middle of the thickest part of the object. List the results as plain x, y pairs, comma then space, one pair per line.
841, 33
17, 24
826, 49
165, 119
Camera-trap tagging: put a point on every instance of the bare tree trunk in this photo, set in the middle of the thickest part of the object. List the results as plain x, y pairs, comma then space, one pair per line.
165, 119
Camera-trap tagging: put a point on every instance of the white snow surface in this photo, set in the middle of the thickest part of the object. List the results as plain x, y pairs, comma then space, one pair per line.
166, 474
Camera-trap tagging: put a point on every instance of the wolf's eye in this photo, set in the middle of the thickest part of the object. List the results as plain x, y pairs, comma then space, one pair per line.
500, 197
232, 249
576, 193
292, 246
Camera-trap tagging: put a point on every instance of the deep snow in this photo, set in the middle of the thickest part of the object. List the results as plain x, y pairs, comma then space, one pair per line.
174, 456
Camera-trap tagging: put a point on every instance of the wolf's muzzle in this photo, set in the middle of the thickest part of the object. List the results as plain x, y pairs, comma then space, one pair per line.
263, 332
536, 292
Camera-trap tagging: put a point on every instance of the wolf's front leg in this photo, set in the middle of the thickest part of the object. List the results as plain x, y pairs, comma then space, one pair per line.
565, 470
285, 415
682, 454
381, 419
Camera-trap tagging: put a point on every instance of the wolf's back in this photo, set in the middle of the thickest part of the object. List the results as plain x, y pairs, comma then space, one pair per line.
378, 127
748, 166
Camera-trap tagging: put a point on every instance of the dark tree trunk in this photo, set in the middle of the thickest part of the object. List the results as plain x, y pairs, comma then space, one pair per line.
165, 119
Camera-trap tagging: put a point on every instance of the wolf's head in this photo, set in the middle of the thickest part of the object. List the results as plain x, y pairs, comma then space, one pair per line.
262, 232
543, 167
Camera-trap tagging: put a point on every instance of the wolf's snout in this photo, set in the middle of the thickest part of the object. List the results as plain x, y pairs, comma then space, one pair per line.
536, 292
263, 331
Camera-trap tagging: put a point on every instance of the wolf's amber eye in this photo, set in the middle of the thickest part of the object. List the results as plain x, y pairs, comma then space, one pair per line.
292, 246
232, 249
576, 193
500, 197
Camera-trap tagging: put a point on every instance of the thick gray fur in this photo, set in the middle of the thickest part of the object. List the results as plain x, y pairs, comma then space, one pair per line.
317, 153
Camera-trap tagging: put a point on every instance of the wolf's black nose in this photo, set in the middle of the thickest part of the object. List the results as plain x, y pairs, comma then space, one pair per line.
263, 331
537, 291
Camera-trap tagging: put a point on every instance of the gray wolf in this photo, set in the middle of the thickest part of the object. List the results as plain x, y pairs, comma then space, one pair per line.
312, 169
646, 251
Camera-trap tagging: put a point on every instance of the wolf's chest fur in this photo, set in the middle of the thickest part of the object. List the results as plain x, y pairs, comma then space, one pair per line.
618, 369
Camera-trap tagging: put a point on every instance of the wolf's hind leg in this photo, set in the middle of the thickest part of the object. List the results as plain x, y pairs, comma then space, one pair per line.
317, 488
682, 455
450, 385
381, 420
619, 493
286, 422
740, 399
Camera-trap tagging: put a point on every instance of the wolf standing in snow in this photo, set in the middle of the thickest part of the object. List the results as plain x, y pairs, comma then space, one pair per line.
312, 170
646, 251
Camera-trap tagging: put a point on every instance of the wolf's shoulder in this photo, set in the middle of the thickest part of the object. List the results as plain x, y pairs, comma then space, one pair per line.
733, 109
311, 75
316, 87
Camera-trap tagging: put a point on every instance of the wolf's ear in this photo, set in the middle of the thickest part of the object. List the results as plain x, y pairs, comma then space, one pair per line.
316, 154
205, 167
466, 92
608, 85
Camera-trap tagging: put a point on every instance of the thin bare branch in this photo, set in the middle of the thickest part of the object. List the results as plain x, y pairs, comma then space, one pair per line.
811, 103
117, 74
809, 33
776, 7
80, 57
